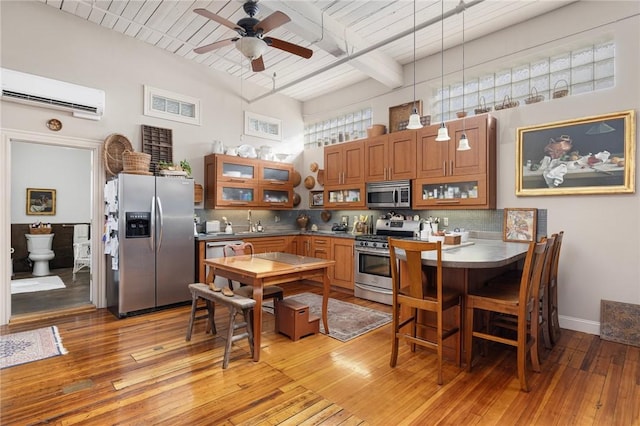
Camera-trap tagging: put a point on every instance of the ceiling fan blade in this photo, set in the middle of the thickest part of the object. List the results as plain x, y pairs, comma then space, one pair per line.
289, 47
220, 20
257, 64
215, 45
271, 22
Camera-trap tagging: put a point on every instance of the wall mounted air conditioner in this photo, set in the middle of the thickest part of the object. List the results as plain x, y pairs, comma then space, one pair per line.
83, 102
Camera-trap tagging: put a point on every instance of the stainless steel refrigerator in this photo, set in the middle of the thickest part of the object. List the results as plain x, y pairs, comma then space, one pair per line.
154, 260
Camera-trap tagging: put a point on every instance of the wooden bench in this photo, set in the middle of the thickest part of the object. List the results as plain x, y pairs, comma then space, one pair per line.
235, 304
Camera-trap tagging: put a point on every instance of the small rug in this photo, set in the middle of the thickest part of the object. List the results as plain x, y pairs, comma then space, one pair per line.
620, 322
346, 320
29, 346
29, 285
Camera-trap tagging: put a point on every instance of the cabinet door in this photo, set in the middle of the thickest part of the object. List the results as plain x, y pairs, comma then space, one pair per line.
276, 173
465, 192
276, 196
402, 155
473, 161
231, 194
304, 245
353, 163
376, 163
236, 169
269, 244
210, 181
333, 165
433, 156
342, 253
344, 197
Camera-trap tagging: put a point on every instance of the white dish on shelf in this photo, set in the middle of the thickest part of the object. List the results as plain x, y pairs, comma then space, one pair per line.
247, 151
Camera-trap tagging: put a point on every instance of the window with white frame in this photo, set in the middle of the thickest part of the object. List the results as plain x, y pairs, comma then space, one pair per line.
161, 103
582, 70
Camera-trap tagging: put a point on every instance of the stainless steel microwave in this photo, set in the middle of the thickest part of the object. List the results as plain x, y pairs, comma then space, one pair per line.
393, 194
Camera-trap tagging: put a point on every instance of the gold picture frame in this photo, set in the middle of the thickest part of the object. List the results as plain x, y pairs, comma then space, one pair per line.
520, 225
41, 202
591, 155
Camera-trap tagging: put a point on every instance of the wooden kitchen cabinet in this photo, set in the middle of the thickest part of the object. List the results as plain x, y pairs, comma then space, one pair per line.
452, 179
271, 244
304, 245
344, 164
342, 253
235, 182
321, 248
391, 157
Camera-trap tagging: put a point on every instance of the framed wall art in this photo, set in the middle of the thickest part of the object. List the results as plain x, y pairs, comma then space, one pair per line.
316, 199
41, 201
520, 225
592, 155
262, 126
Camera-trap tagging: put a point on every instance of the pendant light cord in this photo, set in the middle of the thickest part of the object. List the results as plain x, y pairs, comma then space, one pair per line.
414, 55
463, 87
442, 61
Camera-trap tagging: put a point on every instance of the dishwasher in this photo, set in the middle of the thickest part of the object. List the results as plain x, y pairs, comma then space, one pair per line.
216, 249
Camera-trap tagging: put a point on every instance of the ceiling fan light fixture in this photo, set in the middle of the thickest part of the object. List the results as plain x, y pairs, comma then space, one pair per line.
251, 47
443, 134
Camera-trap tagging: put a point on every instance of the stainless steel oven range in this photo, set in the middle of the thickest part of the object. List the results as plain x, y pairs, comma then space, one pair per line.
372, 277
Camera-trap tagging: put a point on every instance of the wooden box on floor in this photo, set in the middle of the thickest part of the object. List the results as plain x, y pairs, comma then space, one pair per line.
294, 320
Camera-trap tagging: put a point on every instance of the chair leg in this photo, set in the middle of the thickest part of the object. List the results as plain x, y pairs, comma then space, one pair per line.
227, 349
468, 335
194, 306
522, 356
414, 320
394, 336
248, 319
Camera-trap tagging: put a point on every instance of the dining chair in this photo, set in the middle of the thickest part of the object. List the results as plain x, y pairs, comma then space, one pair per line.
411, 291
81, 249
554, 325
516, 301
269, 292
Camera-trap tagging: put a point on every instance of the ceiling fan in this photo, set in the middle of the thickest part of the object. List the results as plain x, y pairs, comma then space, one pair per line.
252, 41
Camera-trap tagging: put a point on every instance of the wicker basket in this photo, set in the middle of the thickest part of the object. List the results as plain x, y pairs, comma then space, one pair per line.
376, 130
135, 161
534, 97
507, 103
114, 146
560, 93
41, 230
483, 108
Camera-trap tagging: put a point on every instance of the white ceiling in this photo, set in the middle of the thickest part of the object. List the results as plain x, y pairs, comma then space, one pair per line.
352, 40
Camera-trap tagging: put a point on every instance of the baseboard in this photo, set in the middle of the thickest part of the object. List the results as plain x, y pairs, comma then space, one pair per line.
579, 324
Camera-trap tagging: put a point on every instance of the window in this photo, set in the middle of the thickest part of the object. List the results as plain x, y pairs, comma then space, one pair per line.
344, 128
582, 70
171, 106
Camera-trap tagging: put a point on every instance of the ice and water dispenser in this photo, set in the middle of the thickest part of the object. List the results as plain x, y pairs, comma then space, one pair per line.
138, 224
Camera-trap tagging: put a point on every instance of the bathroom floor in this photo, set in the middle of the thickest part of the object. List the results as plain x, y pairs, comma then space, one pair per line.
76, 293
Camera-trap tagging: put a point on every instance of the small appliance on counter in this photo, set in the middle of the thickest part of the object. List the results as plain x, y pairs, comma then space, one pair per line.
212, 227
340, 227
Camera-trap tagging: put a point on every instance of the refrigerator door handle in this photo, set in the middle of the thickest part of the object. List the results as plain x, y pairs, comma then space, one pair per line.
161, 218
152, 232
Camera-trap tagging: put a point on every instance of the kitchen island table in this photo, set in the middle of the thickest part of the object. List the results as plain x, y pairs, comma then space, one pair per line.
264, 269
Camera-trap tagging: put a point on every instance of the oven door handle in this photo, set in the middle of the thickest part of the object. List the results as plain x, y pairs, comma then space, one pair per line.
374, 289
383, 253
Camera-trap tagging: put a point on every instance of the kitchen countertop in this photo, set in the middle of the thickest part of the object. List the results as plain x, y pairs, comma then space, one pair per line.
482, 254
221, 236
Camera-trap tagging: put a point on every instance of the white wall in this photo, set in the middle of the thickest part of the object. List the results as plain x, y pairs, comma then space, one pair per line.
38, 39
67, 170
600, 257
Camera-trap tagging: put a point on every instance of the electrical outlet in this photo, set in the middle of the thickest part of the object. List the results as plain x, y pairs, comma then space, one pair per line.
276, 219
445, 220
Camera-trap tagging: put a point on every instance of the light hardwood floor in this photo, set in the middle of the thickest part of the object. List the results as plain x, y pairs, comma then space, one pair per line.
140, 371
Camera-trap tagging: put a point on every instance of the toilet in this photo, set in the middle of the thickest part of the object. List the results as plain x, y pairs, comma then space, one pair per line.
40, 253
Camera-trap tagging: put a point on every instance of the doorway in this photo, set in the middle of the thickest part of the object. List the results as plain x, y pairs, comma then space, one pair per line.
78, 200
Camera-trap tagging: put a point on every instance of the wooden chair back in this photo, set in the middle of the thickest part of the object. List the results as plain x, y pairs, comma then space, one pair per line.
554, 326
237, 249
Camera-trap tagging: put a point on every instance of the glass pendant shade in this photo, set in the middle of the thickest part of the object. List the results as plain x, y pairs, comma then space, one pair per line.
463, 145
414, 120
251, 47
443, 134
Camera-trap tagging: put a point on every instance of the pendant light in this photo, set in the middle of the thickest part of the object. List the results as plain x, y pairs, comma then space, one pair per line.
463, 145
414, 118
443, 133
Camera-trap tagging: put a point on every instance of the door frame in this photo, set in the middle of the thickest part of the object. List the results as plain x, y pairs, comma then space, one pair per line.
97, 287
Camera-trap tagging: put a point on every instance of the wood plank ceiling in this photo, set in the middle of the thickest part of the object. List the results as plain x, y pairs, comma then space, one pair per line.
338, 31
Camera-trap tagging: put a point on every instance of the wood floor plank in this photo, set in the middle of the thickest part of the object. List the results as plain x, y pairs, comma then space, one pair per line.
140, 370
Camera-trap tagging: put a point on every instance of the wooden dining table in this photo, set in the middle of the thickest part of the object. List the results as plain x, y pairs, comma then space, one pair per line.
265, 269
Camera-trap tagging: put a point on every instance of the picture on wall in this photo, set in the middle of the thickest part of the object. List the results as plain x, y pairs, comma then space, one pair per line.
520, 225
41, 201
592, 155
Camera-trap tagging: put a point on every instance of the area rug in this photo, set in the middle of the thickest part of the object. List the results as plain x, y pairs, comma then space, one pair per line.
346, 320
29, 346
29, 285
620, 322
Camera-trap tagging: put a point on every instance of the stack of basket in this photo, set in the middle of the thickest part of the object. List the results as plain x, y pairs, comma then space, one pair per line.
136, 163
